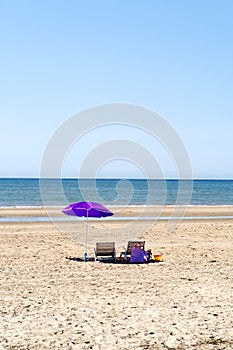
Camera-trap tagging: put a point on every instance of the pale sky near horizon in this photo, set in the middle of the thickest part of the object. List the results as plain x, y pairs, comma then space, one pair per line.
61, 57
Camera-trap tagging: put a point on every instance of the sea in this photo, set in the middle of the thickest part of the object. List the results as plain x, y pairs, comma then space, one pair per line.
16, 192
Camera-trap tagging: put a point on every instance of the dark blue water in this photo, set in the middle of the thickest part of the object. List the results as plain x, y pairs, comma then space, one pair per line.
33, 192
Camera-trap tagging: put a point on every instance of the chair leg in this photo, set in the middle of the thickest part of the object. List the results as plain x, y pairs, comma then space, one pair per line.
95, 256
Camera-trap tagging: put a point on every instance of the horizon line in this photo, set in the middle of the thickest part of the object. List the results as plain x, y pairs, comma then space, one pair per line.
113, 178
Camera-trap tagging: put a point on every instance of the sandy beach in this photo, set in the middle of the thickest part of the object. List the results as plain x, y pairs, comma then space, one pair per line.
49, 300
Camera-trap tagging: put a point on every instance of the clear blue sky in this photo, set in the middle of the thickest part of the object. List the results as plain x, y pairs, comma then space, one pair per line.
60, 57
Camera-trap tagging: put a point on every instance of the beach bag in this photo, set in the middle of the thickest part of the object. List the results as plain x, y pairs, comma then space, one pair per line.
138, 255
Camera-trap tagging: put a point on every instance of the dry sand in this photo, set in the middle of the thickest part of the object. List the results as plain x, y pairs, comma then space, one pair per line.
50, 302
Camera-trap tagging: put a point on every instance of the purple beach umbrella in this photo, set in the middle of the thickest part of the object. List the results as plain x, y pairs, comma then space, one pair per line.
87, 210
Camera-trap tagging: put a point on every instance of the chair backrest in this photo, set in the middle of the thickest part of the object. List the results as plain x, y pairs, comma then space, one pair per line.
131, 244
105, 248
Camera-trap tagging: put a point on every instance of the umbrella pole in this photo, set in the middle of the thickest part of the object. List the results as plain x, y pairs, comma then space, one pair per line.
85, 252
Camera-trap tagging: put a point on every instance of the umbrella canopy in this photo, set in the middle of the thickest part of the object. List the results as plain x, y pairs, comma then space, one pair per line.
88, 210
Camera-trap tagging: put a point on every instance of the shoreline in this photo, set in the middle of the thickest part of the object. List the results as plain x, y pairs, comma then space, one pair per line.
127, 211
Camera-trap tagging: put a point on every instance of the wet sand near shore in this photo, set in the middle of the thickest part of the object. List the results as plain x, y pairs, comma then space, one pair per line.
147, 211
48, 300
